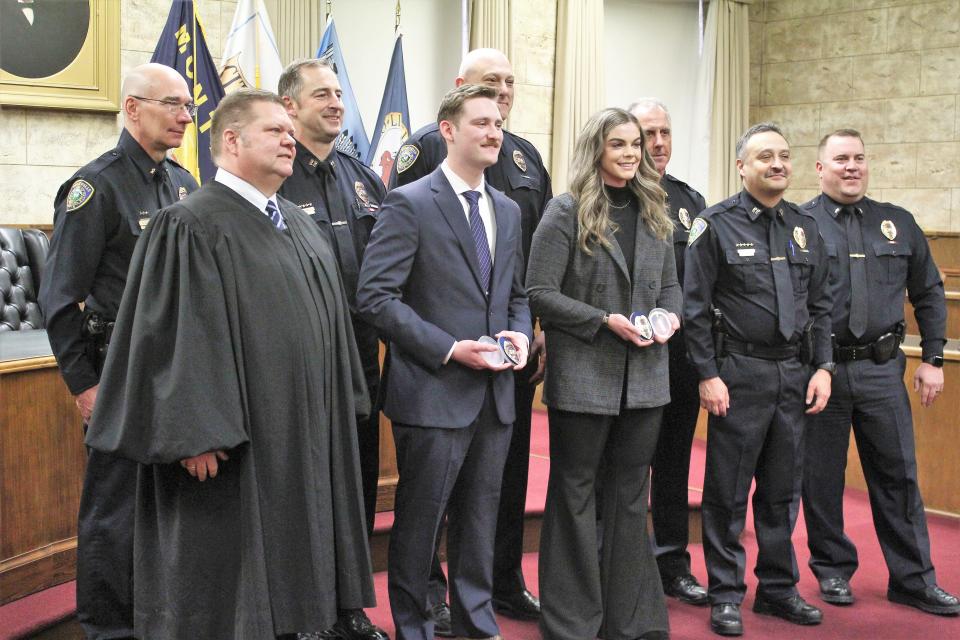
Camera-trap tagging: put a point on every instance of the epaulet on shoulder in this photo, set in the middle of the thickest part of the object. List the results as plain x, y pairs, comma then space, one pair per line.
803, 210
176, 163
528, 146
723, 205
92, 169
346, 157
810, 204
889, 206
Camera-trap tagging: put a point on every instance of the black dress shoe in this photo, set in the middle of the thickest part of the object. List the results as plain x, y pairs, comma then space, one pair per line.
520, 605
442, 625
930, 599
725, 619
685, 588
793, 609
836, 590
353, 624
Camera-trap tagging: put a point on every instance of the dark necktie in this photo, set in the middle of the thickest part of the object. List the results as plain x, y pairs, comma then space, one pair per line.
275, 216
479, 237
777, 238
858, 272
165, 195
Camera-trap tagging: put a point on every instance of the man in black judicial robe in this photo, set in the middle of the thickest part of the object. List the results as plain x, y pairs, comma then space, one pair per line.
234, 381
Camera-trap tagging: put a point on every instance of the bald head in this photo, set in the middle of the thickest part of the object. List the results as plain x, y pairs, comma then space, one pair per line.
154, 97
145, 79
489, 67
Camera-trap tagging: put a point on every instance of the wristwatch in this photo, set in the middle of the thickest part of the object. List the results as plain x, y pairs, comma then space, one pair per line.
936, 361
606, 319
829, 367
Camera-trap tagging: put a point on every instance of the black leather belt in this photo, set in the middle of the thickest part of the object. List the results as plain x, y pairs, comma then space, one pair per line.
853, 352
784, 352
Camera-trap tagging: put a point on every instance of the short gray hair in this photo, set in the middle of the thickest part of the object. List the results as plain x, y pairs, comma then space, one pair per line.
291, 80
760, 127
645, 104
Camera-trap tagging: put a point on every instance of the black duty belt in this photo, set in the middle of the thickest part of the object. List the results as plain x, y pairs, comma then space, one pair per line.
853, 352
880, 350
784, 352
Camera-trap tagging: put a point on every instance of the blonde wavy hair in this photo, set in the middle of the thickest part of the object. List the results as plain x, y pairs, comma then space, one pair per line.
586, 184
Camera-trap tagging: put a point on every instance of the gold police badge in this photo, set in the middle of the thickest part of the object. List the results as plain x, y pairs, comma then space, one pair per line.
888, 229
684, 216
519, 160
800, 237
80, 193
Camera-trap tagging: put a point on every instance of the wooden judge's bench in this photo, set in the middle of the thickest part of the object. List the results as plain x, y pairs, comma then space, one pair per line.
42, 455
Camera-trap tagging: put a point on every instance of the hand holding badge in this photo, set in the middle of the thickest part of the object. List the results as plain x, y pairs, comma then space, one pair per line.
658, 325
510, 350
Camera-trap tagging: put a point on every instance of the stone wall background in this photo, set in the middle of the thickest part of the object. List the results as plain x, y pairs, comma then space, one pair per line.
888, 68
40, 148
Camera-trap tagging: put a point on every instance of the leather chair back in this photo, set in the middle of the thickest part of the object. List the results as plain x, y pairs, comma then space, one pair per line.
18, 287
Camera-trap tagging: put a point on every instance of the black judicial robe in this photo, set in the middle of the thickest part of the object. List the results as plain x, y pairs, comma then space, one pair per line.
234, 336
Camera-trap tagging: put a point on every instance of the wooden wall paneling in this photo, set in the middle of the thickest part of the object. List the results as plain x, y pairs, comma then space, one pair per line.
42, 461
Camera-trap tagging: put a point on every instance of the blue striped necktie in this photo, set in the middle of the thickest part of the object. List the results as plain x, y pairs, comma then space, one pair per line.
479, 232
275, 216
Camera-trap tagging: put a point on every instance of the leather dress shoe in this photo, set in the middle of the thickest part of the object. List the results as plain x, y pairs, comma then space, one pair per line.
836, 590
520, 605
930, 599
353, 624
685, 588
725, 619
442, 625
793, 609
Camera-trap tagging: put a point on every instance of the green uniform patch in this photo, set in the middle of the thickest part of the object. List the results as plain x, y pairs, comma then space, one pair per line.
80, 193
407, 155
696, 230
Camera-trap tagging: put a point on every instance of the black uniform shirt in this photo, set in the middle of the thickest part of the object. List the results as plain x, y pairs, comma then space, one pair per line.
893, 265
728, 266
519, 173
684, 204
98, 216
350, 219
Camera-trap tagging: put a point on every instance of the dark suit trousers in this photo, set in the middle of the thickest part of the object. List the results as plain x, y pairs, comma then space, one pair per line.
761, 437
618, 597
873, 398
508, 546
671, 467
458, 471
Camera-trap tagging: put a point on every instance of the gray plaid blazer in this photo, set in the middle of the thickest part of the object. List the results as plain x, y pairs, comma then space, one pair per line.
570, 291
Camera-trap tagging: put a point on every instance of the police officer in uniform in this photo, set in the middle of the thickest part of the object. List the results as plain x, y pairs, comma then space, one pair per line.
671, 461
875, 247
520, 174
343, 196
758, 261
99, 214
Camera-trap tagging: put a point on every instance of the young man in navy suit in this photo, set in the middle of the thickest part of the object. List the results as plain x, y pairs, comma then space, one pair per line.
444, 267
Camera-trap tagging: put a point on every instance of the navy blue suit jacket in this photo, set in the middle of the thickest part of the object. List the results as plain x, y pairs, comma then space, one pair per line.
420, 287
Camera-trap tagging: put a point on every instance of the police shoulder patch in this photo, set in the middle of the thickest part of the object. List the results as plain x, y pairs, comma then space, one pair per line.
696, 230
80, 193
407, 155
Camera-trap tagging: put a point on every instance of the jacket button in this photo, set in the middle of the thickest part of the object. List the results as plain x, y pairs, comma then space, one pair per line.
652, 285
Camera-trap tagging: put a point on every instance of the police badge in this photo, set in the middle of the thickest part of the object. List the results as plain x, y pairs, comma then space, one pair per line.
642, 323
361, 193
407, 155
519, 160
888, 229
182, 192
80, 193
684, 216
800, 237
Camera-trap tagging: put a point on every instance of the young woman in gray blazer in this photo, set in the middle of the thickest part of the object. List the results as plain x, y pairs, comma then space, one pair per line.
600, 254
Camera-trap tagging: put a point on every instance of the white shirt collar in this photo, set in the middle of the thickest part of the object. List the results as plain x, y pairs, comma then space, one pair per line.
246, 190
459, 184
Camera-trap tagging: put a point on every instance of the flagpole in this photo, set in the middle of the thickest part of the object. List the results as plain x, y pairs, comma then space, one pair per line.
193, 92
329, 10
256, 49
396, 22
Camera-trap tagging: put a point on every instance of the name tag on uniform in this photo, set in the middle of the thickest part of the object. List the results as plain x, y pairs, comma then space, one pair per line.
307, 209
338, 223
747, 253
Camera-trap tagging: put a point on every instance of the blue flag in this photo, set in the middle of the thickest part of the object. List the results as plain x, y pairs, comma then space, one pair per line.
183, 47
353, 137
393, 123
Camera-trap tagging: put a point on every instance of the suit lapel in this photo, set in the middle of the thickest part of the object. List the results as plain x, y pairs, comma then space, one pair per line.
452, 211
502, 252
613, 248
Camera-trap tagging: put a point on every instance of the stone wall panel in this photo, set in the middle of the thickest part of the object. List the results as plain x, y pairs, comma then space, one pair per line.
13, 124
924, 26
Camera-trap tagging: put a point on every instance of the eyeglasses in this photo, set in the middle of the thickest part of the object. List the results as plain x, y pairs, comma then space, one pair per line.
173, 106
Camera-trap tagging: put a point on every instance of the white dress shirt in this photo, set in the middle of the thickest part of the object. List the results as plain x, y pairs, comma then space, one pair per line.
246, 191
485, 205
